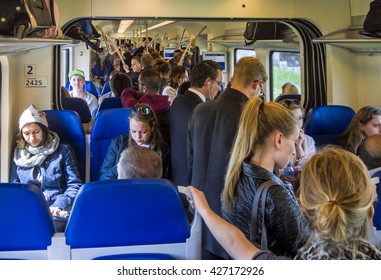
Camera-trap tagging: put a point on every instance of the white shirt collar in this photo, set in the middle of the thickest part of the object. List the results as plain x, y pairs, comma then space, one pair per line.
203, 98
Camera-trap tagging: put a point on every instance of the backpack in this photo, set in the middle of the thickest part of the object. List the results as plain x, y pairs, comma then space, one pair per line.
372, 23
86, 32
264, 31
37, 18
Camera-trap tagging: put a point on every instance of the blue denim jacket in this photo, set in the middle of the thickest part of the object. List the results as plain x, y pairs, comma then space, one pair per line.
58, 177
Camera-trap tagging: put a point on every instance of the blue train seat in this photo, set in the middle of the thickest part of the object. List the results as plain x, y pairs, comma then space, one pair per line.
27, 226
325, 123
107, 125
106, 88
376, 173
89, 87
110, 103
78, 105
288, 96
68, 126
132, 219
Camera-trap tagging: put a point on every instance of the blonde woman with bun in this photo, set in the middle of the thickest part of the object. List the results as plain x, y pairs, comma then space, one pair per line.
336, 197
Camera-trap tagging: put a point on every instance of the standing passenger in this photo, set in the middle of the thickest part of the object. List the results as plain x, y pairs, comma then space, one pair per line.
77, 81
180, 112
177, 76
265, 140
211, 133
41, 160
136, 66
305, 146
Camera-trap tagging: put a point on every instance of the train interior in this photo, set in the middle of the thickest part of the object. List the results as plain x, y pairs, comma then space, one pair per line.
336, 66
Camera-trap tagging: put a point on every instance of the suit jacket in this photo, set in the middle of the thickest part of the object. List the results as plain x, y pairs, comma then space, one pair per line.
211, 132
179, 115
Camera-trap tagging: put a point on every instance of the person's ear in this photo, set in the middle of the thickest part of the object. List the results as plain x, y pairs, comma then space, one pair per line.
278, 138
371, 212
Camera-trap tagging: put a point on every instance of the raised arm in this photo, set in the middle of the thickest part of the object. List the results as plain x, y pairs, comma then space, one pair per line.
229, 236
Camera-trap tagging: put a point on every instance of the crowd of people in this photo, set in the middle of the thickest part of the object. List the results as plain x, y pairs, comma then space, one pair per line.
224, 145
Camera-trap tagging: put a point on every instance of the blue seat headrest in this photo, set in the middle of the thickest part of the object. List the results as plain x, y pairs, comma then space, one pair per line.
127, 212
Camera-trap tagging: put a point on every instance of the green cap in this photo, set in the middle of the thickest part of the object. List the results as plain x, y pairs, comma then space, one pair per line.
76, 72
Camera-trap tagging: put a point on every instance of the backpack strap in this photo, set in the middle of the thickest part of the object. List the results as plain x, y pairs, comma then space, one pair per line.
260, 194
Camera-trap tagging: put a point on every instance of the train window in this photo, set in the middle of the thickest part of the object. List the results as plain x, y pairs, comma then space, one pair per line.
284, 67
243, 52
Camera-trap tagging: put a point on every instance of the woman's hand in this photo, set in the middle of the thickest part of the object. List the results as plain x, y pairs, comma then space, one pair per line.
55, 211
198, 201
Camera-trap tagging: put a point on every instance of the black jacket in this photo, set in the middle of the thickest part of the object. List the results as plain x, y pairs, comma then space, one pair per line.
287, 228
211, 132
179, 115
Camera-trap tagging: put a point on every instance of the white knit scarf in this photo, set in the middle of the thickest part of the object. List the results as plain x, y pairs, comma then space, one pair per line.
35, 156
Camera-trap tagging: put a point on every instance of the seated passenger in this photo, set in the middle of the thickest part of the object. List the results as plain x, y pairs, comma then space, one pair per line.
336, 196
77, 81
118, 82
40, 159
305, 145
370, 153
365, 123
290, 88
139, 162
177, 76
143, 132
149, 93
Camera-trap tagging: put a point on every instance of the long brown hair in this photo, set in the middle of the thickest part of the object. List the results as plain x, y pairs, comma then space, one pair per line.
354, 135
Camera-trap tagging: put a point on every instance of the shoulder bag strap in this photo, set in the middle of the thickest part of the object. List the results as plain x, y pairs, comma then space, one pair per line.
261, 193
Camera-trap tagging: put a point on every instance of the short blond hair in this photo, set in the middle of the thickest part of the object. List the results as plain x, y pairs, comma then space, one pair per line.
290, 88
249, 69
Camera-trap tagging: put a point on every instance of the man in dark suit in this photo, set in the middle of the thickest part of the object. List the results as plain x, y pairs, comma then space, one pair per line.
211, 132
181, 109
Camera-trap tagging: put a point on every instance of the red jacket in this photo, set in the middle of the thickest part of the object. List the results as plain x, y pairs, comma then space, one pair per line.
159, 103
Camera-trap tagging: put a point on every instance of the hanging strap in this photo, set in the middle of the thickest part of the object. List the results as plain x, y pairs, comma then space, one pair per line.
260, 194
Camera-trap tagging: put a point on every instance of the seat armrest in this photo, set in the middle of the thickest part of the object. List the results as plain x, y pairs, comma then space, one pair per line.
58, 250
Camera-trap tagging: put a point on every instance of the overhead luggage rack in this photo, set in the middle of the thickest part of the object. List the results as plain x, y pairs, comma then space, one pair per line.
353, 38
365, 45
12, 45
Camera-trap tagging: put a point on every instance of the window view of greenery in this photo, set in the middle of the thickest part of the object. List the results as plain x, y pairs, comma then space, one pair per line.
285, 68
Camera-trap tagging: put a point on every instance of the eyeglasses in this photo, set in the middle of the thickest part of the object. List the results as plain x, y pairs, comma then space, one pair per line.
143, 110
262, 93
218, 83
289, 102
